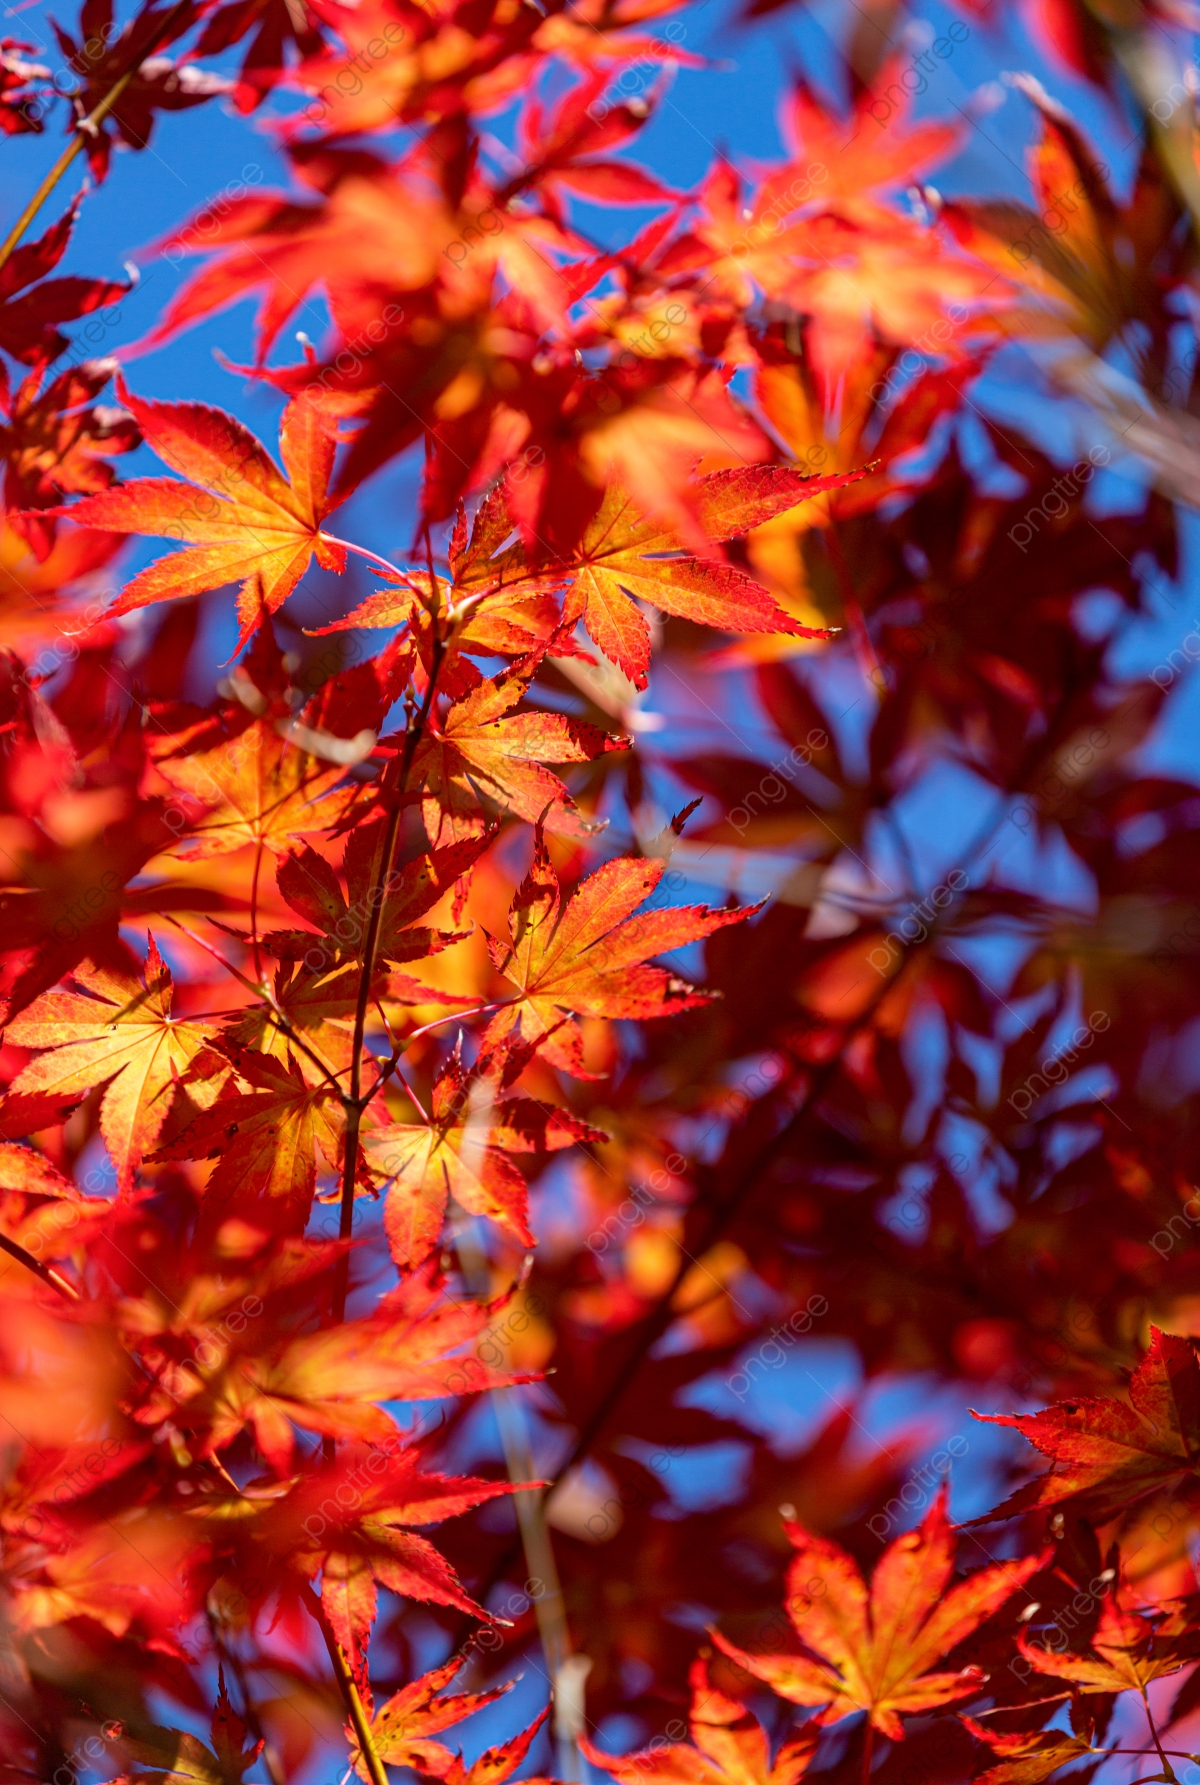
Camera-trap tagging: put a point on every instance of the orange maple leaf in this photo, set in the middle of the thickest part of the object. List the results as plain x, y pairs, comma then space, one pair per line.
243, 520
1026, 1756
482, 758
728, 1747
872, 1650
401, 1730
266, 1139
115, 1030
351, 1521
411, 1348
1128, 1651
463, 1150
624, 557
311, 887
589, 955
1111, 1453
499, 1763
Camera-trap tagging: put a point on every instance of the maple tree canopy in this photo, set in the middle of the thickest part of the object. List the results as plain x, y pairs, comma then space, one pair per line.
600, 920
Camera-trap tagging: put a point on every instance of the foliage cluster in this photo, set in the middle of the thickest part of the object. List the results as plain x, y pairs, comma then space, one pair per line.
386, 1146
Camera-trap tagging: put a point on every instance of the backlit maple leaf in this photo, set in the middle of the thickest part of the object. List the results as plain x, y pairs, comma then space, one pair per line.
622, 555
266, 1139
106, 52
352, 1521
271, 25
729, 1746
482, 758
402, 1729
175, 1757
311, 888
1090, 275
243, 520
462, 1151
1110, 1453
1026, 1756
1128, 1651
252, 783
118, 1029
418, 1344
492, 618
873, 1649
589, 955
30, 313
60, 440
496, 1764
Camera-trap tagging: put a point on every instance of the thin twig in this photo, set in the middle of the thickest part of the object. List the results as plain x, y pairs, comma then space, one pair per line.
379, 879
258, 855
1168, 1769
349, 1691
44, 1271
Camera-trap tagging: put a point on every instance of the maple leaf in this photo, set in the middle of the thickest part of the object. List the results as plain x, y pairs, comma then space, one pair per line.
23, 1169
245, 521
491, 619
402, 1728
20, 103
1089, 276
462, 1151
116, 1031
563, 149
313, 1008
482, 758
588, 956
62, 901
59, 440
623, 555
266, 1139
499, 1763
252, 783
729, 1746
371, 231
352, 1521
271, 26
856, 158
175, 1757
412, 1347
30, 312
311, 888
872, 1650
1109, 1454
153, 83
1028, 1757
1128, 1651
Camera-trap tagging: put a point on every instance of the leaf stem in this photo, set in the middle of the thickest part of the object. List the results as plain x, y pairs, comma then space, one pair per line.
86, 127
349, 1690
868, 1749
258, 855
363, 552
1168, 1769
278, 1017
